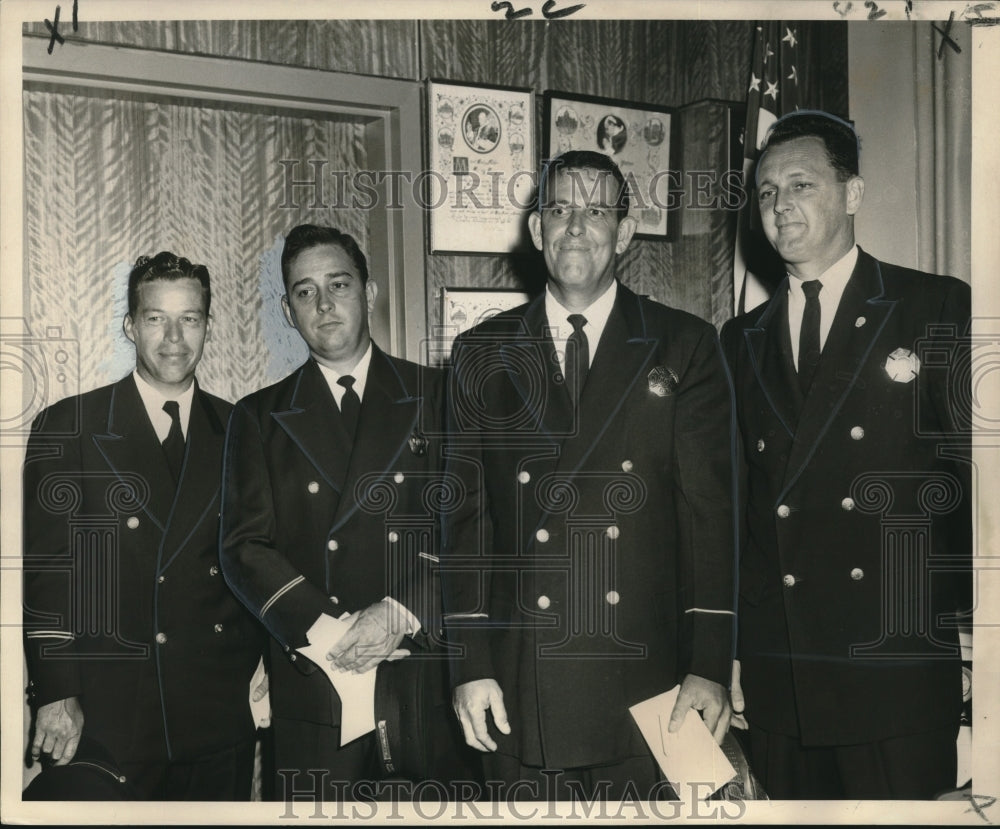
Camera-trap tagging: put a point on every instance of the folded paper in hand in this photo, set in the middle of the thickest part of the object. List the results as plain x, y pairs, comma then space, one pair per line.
690, 758
356, 691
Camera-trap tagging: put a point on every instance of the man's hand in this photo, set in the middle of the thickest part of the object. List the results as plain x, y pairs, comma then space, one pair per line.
706, 696
736, 695
262, 688
375, 633
58, 727
471, 701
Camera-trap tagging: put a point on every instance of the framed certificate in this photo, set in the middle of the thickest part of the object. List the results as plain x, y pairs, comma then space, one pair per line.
481, 174
636, 136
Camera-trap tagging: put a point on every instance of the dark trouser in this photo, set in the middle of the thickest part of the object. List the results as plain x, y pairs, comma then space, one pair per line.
224, 775
638, 778
308, 758
912, 767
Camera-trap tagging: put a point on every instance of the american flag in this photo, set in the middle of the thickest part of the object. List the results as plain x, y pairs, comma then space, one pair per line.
772, 91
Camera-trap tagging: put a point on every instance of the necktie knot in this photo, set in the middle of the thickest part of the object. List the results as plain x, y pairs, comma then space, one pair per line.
173, 408
577, 321
346, 381
812, 288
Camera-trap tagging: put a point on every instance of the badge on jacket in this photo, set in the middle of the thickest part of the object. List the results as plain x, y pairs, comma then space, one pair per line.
902, 365
418, 444
662, 381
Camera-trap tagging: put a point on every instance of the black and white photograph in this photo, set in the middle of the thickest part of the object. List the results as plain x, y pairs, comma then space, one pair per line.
370, 453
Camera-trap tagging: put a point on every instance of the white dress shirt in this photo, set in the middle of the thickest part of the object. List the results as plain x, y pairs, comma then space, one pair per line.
153, 400
596, 313
834, 280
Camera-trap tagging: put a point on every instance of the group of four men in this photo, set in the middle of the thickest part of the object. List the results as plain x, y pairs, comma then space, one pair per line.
566, 514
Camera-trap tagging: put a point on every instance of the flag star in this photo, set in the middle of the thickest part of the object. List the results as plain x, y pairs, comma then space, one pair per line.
790, 37
772, 90
754, 83
767, 52
794, 76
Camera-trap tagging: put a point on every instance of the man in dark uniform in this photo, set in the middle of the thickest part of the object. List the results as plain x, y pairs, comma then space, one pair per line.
331, 477
850, 387
590, 566
133, 639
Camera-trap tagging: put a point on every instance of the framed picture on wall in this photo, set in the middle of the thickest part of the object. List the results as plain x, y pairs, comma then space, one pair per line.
480, 178
636, 136
462, 308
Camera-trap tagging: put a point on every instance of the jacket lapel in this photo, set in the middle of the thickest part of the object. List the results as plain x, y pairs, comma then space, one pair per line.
389, 416
860, 318
622, 354
770, 348
134, 453
531, 365
198, 493
312, 421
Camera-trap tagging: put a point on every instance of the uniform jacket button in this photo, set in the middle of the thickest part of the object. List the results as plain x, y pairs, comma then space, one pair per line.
627, 466
523, 476
213, 570
789, 580
542, 535
612, 598
313, 487
160, 579
292, 657
857, 433
399, 477
544, 602
218, 627
857, 574
847, 503
393, 537
612, 532
132, 523
784, 511
332, 545
161, 638
760, 444
335, 600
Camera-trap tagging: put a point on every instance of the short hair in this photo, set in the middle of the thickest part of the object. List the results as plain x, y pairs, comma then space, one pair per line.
585, 160
303, 237
166, 265
843, 147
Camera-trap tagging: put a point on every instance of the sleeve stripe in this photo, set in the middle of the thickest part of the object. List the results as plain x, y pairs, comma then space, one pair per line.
48, 634
281, 592
706, 610
449, 616
429, 557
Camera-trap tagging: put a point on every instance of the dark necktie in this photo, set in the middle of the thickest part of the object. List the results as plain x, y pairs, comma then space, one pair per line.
809, 348
350, 405
173, 446
577, 356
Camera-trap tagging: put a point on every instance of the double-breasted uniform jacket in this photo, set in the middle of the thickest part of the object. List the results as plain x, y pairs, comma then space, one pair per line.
857, 507
311, 525
591, 563
126, 606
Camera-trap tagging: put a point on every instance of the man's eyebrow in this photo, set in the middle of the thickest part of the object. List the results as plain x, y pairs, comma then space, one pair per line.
330, 275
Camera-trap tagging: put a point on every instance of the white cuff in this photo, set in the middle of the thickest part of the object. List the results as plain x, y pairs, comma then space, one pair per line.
412, 622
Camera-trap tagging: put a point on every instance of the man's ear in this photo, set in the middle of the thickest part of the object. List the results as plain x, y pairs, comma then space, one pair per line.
371, 291
128, 327
855, 194
288, 311
208, 328
626, 229
535, 228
